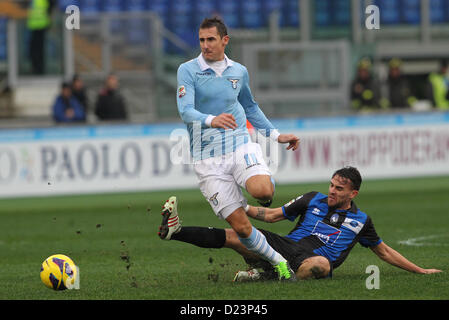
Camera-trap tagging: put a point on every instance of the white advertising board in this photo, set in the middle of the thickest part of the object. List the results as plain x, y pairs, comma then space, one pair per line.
94, 159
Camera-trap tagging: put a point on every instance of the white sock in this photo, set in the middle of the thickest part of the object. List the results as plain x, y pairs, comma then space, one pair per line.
257, 243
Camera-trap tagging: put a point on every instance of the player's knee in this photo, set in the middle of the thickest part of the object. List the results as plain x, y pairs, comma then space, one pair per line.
314, 267
239, 222
262, 191
243, 230
232, 240
260, 187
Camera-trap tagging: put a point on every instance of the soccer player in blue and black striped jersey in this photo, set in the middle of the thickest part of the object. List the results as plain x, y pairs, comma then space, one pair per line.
329, 226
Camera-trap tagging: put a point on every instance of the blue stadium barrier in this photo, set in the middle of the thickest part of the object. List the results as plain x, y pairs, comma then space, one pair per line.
389, 11
290, 13
323, 13
111, 5
3, 38
203, 9
63, 4
160, 7
271, 5
135, 5
89, 7
439, 11
181, 14
411, 11
181, 22
137, 31
251, 14
116, 26
268, 7
341, 10
332, 13
230, 12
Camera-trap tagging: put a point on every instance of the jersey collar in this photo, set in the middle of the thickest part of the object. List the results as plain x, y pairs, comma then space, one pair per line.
204, 66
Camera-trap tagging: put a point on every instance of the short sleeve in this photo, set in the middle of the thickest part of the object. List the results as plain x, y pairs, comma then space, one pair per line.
369, 237
297, 206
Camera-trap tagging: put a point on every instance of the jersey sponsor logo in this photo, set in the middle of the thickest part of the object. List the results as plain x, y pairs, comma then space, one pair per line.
181, 91
353, 225
234, 83
316, 211
203, 74
326, 233
214, 199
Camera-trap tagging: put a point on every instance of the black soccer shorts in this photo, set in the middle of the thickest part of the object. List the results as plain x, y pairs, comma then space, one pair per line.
295, 253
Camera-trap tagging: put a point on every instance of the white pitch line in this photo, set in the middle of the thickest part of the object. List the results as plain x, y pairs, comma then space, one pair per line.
421, 241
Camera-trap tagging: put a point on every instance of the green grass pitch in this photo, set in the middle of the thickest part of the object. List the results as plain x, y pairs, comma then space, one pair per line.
113, 239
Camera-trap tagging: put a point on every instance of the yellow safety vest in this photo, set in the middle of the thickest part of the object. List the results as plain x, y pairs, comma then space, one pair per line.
38, 17
439, 89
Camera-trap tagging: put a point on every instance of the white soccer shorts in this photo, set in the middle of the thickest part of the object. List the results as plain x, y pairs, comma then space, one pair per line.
222, 177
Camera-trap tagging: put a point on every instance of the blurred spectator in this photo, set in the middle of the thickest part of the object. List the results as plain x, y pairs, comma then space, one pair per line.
79, 92
365, 91
110, 103
438, 86
39, 21
399, 93
67, 108
6, 102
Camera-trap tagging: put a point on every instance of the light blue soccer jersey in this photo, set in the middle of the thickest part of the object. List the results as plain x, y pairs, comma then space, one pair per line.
202, 94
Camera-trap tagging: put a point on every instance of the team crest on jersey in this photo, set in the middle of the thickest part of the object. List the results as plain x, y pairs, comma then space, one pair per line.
234, 83
214, 200
181, 91
334, 218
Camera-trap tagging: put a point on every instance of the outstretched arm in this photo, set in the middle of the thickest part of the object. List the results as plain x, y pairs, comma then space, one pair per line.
265, 214
291, 139
394, 258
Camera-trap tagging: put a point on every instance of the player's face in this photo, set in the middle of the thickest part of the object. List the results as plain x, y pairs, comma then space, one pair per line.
212, 45
340, 193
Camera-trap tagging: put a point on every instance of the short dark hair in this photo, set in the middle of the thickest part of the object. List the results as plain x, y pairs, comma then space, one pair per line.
351, 174
65, 85
215, 22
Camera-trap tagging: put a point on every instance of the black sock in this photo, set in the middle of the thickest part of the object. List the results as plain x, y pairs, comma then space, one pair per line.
201, 236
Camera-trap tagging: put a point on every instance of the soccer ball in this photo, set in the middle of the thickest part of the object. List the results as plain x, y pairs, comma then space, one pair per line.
58, 272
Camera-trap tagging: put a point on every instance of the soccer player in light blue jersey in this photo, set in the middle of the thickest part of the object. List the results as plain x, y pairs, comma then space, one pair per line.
215, 101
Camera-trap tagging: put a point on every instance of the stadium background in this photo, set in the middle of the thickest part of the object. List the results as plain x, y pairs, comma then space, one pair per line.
302, 56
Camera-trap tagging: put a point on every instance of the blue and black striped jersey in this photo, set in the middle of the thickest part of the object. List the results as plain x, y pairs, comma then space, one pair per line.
328, 232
